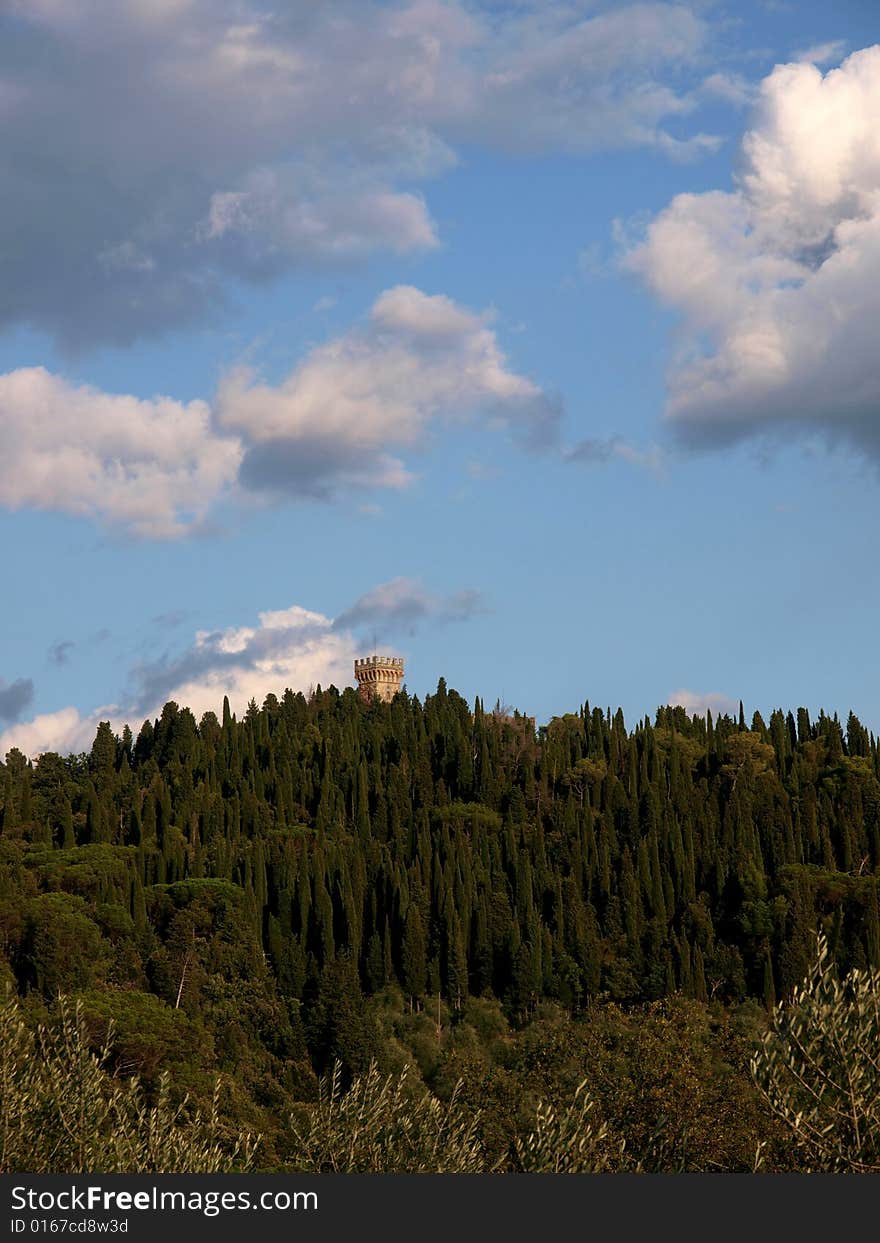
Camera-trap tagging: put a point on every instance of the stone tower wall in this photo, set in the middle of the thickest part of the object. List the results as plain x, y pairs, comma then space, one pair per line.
378, 677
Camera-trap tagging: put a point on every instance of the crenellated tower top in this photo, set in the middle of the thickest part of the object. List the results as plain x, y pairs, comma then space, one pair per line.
378, 677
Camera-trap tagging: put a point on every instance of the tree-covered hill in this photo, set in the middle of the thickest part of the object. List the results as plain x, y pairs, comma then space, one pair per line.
232, 893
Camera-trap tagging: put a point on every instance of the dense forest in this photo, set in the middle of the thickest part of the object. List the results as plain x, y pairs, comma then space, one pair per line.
325, 881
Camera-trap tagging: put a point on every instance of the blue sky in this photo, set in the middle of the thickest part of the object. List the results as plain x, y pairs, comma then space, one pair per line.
533, 342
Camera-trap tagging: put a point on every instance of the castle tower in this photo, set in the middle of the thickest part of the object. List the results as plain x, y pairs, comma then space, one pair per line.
378, 677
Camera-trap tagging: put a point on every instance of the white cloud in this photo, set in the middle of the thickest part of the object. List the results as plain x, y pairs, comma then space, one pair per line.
64, 731
778, 281
276, 219
594, 452
346, 411
686, 150
181, 141
291, 647
731, 87
699, 703
404, 604
156, 467
554, 78
822, 53
152, 467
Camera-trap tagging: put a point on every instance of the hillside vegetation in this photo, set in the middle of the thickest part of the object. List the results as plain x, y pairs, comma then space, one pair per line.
325, 884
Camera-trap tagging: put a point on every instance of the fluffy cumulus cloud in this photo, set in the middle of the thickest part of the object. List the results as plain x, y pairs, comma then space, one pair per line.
152, 467
181, 141
342, 416
698, 703
778, 280
288, 647
64, 731
155, 468
293, 647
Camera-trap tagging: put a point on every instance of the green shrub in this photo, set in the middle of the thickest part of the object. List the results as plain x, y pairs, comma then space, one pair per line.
568, 1141
819, 1067
61, 1112
380, 1126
